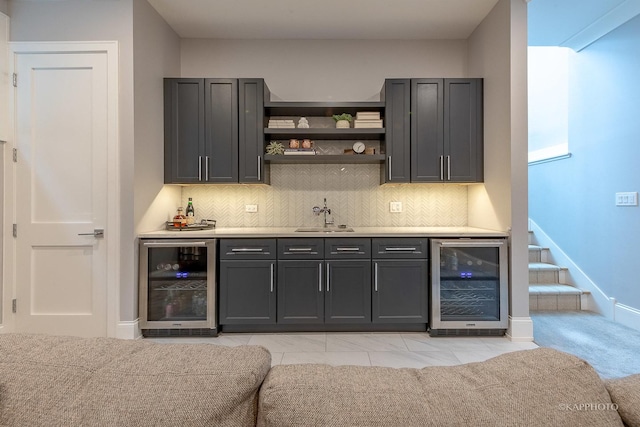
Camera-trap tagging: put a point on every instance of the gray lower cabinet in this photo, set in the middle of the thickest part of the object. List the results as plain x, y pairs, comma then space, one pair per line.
300, 291
316, 281
247, 281
400, 291
348, 291
400, 280
312, 289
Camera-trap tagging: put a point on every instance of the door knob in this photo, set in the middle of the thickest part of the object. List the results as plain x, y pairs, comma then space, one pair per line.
98, 232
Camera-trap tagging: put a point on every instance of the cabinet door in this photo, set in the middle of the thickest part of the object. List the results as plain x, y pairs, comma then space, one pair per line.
463, 130
221, 130
251, 126
183, 130
348, 291
427, 148
247, 292
400, 291
300, 292
397, 123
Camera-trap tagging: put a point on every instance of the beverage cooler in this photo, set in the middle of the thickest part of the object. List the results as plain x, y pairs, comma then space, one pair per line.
469, 287
177, 287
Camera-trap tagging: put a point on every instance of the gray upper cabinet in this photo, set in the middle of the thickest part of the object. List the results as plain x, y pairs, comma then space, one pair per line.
183, 130
427, 141
251, 131
463, 130
446, 130
201, 130
397, 93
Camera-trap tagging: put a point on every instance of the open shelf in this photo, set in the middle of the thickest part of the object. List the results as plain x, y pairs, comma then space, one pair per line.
327, 159
325, 109
330, 133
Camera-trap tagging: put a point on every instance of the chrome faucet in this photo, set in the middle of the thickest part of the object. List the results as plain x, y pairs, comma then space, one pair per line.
317, 210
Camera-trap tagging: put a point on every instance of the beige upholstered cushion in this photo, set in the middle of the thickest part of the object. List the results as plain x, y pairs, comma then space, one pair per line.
625, 392
538, 387
56, 381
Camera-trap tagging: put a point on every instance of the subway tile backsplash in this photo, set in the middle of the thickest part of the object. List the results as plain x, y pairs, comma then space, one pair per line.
353, 194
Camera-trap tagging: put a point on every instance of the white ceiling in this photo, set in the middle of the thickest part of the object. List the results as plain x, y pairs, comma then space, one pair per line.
324, 19
572, 23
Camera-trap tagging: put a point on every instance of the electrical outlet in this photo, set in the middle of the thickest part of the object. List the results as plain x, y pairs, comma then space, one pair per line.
395, 207
251, 208
627, 199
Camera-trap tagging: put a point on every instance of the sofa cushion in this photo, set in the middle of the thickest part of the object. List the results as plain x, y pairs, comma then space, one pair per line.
69, 381
541, 387
625, 392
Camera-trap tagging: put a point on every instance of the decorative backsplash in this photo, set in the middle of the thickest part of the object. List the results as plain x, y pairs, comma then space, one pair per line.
353, 194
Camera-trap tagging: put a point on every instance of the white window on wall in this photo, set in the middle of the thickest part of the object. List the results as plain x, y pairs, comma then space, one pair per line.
548, 95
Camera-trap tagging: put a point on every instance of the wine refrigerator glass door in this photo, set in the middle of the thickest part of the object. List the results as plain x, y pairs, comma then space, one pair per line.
469, 284
176, 284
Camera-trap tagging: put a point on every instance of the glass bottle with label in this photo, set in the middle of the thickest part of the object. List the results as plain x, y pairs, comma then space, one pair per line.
191, 214
179, 220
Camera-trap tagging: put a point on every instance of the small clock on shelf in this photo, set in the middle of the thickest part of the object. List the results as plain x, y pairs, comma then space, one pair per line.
358, 147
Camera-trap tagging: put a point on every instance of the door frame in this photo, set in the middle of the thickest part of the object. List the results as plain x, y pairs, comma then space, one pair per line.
112, 232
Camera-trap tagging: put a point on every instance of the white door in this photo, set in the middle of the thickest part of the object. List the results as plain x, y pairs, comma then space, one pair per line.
61, 193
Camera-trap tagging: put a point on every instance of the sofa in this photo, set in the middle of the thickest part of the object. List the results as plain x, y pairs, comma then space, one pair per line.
70, 381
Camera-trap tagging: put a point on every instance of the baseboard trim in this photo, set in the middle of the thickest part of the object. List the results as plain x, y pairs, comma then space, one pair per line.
520, 329
627, 316
128, 330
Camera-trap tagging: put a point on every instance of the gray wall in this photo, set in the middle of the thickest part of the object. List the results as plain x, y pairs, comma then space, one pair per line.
572, 200
156, 54
324, 70
497, 51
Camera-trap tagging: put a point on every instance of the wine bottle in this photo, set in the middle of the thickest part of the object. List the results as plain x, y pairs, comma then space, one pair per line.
191, 213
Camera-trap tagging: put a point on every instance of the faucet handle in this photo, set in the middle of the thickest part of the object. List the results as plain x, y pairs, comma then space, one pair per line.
316, 210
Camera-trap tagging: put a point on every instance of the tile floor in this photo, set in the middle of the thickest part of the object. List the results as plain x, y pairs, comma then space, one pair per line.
395, 350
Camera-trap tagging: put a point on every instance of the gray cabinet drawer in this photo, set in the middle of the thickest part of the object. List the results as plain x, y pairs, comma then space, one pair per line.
300, 248
347, 248
248, 249
406, 248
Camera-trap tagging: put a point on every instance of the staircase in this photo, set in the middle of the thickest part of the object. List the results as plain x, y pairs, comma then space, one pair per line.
548, 288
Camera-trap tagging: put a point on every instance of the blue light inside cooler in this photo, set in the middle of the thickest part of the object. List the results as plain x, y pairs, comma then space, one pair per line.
466, 275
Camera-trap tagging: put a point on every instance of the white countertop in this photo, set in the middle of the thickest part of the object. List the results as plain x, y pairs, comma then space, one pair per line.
262, 232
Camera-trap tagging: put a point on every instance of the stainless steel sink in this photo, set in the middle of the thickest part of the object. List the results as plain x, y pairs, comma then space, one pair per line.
324, 229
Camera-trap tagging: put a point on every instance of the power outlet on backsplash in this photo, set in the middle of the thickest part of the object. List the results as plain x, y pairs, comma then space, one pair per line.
251, 208
395, 207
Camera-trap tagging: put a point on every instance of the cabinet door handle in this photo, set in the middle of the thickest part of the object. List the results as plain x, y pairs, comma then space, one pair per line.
399, 249
299, 249
320, 277
448, 168
272, 271
375, 277
441, 168
389, 164
347, 249
173, 244
206, 168
328, 280
247, 250
199, 168
259, 167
